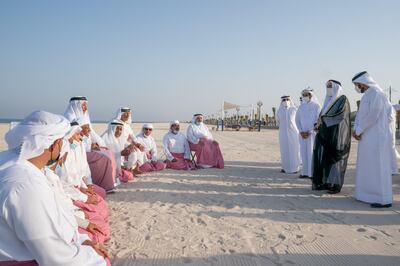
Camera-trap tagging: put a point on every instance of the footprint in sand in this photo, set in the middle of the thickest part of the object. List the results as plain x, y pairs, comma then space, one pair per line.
282, 236
361, 230
147, 237
299, 236
201, 222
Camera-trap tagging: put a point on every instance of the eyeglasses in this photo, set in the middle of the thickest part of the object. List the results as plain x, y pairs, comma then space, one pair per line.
149, 129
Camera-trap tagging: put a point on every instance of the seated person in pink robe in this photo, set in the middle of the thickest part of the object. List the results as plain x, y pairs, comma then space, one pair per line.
151, 162
35, 225
176, 149
120, 148
76, 173
135, 156
100, 160
202, 143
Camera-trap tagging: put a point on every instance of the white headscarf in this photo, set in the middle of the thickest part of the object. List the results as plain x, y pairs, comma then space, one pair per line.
122, 110
74, 108
127, 132
291, 102
75, 128
74, 112
329, 100
116, 145
175, 122
147, 125
36, 132
313, 96
365, 78
195, 117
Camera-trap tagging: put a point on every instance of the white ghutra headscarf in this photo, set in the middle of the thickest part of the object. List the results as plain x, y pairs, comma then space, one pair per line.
35, 133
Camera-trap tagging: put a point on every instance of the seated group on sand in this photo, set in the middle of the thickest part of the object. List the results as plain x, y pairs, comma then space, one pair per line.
56, 173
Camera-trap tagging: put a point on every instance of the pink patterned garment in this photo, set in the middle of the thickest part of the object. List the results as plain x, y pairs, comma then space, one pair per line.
208, 153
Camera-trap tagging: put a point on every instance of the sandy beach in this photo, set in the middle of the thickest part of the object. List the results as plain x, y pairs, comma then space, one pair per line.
246, 214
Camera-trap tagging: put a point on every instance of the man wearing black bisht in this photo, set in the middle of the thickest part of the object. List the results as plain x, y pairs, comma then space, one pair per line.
332, 142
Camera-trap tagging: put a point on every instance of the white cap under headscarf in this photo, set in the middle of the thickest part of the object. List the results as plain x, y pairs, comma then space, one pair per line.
36, 132
176, 122
336, 92
147, 125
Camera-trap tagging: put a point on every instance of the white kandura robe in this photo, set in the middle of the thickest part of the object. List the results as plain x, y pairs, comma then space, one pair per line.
175, 143
58, 188
115, 145
74, 112
374, 156
76, 171
150, 146
137, 157
289, 139
306, 118
392, 127
34, 225
196, 132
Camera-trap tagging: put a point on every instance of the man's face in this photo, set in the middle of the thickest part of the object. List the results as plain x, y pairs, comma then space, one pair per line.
125, 116
85, 130
199, 119
362, 87
329, 84
84, 107
118, 132
147, 131
175, 127
76, 136
306, 95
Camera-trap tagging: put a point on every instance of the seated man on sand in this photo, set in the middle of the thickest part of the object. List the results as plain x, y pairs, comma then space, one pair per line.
35, 228
101, 160
136, 155
202, 143
75, 172
121, 149
97, 229
78, 108
176, 149
151, 162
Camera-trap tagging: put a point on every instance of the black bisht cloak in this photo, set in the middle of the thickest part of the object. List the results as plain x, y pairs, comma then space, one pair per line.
332, 146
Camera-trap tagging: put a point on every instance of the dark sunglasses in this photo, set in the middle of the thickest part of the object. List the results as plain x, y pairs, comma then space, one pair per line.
149, 129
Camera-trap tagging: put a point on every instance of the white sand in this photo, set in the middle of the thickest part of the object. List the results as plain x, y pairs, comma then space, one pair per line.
247, 214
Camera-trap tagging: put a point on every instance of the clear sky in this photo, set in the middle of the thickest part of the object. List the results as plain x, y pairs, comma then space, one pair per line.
170, 59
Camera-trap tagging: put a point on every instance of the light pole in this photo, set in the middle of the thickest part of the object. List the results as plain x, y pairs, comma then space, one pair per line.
237, 114
259, 104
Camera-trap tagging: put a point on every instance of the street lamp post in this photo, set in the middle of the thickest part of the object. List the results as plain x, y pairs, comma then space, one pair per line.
259, 104
237, 114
